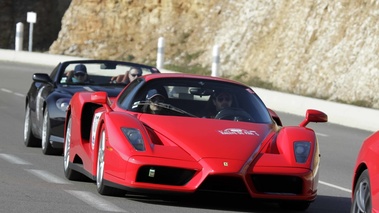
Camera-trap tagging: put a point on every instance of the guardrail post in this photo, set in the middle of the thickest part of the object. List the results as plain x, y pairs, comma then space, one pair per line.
160, 53
215, 61
19, 36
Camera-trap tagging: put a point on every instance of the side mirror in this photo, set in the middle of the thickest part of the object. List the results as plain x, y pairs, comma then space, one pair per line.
102, 98
313, 115
42, 78
275, 117
99, 97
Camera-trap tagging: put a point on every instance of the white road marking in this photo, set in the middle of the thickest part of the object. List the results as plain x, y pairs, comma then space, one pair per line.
48, 177
13, 159
335, 186
6, 90
19, 94
95, 201
11, 92
323, 135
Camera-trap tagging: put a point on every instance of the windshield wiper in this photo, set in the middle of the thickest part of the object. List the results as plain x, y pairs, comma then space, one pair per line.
168, 106
173, 108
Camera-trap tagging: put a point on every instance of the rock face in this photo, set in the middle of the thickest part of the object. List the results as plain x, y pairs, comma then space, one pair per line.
319, 48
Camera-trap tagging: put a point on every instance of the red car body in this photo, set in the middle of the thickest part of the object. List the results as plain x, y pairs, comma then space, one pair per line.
187, 152
365, 193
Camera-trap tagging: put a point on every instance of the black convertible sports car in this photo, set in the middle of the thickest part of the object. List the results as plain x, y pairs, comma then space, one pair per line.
49, 95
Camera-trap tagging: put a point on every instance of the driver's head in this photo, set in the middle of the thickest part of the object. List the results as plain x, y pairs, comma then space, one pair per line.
222, 100
80, 73
154, 97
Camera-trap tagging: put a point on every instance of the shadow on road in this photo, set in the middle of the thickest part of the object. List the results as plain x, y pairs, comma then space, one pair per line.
331, 204
241, 203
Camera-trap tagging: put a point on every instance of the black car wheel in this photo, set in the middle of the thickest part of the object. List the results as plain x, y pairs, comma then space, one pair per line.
47, 149
29, 139
362, 194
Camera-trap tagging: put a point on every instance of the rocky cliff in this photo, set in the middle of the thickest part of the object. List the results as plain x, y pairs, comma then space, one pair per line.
318, 48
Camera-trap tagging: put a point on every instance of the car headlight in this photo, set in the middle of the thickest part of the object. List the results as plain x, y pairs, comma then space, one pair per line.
63, 103
302, 150
135, 138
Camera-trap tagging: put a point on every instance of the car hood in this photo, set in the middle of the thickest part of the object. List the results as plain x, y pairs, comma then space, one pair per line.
112, 91
211, 138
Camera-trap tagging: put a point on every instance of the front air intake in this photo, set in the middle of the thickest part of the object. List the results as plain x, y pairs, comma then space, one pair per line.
164, 175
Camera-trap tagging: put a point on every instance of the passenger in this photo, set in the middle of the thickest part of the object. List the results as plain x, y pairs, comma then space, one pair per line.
130, 75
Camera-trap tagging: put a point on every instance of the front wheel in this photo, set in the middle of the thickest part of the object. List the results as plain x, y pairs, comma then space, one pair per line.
29, 139
47, 149
362, 194
101, 187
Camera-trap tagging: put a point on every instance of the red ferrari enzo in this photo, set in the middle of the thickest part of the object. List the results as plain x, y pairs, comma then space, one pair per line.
188, 133
365, 197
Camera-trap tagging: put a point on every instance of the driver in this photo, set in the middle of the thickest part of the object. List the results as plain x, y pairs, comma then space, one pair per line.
220, 100
80, 74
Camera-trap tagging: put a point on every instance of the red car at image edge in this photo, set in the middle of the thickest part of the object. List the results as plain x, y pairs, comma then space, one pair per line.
365, 193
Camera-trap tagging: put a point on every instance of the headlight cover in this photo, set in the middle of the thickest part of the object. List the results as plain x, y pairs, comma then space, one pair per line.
135, 138
63, 103
301, 150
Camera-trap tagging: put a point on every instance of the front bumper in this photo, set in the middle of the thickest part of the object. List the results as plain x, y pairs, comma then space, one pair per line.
57, 132
170, 175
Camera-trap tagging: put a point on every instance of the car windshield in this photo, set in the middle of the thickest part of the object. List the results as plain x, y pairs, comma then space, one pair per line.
101, 73
197, 98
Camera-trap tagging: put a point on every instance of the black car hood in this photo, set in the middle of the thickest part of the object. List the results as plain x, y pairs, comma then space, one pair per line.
112, 91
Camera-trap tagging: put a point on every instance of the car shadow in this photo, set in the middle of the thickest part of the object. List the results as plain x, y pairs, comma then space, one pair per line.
239, 203
330, 204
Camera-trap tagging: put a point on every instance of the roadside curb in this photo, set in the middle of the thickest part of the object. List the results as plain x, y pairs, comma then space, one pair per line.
338, 113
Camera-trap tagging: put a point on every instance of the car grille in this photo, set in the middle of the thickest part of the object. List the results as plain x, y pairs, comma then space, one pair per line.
164, 175
280, 184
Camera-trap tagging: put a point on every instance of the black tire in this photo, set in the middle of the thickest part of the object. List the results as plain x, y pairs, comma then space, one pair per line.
362, 200
101, 187
68, 172
47, 149
29, 139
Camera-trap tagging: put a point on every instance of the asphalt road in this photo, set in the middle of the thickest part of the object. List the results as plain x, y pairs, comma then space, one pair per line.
33, 182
